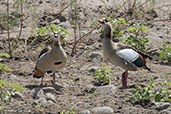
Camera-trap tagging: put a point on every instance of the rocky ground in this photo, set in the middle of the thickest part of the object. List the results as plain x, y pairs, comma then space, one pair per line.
74, 85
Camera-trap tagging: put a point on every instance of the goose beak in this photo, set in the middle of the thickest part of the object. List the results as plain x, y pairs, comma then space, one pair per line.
101, 21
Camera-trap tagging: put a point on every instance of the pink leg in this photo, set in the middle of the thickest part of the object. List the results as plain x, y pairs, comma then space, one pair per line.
124, 79
53, 75
41, 85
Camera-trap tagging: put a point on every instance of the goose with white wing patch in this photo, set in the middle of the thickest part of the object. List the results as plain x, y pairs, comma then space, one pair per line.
120, 54
50, 60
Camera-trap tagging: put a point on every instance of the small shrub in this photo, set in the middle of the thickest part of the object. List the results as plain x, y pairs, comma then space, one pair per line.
137, 38
101, 76
147, 95
6, 93
43, 31
165, 53
2, 67
71, 112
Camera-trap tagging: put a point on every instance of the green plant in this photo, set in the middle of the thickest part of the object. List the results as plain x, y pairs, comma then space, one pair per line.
137, 38
71, 112
2, 67
149, 94
2, 108
101, 76
165, 53
43, 31
95, 93
6, 92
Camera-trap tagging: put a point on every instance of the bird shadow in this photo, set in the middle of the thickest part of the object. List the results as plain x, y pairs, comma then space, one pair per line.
132, 86
32, 86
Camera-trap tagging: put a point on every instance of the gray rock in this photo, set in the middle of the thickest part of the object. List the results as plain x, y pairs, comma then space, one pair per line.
17, 94
48, 90
96, 56
65, 24
50, 102
93, 69
40, 101
102, 110
12, 76
85, 112
37, 92
107, 89
58, 86
166, 111
50, 96
56, 21
162, 105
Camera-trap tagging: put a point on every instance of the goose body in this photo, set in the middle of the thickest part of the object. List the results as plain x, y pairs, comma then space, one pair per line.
50, 60
120, 54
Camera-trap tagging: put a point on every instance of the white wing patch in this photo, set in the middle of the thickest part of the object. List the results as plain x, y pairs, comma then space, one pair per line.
41, 56
128, 54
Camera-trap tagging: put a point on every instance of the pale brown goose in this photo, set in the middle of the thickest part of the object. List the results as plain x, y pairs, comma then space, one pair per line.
50, 60
120, 54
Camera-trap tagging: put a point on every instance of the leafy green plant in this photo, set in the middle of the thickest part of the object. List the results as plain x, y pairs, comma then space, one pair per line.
2, 108
2, 67
71, 112
149, 94
43, 31
6, 90
101, 76
165, 53
136, 38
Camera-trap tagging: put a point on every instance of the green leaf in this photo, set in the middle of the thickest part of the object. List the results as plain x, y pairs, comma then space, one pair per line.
151, 82
17, 87
5, 68
4, 55
131, 29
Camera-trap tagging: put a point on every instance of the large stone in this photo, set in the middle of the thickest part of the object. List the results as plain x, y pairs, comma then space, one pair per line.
17, 94
37, 92
102, 110
49, 90
163, 105
58, 87
40, 101
85, 112
107, 89
93, 69
96, 56
50, 96
166, 111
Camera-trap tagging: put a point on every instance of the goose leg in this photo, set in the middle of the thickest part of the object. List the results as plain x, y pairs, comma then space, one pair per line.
124, 79
41, 85
53, 75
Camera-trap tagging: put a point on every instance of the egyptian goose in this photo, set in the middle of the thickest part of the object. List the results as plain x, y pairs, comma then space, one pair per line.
120, 54
50, 60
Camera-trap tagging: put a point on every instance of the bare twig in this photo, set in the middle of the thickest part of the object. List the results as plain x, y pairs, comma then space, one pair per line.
8, 31
83, 37
66, 7
21, 19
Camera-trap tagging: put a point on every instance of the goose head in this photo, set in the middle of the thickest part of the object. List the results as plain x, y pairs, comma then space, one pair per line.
56, 39
107, 28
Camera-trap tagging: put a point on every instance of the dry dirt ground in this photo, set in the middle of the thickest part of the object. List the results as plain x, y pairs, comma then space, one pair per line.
77, 77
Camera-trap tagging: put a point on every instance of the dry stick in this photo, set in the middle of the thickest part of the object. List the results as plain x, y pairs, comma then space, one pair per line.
21, 19
66, 7
9, 40
84, 36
